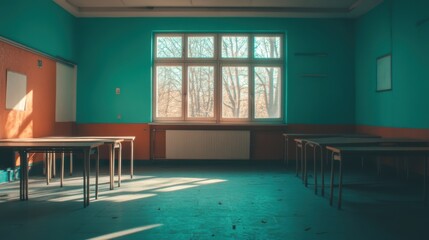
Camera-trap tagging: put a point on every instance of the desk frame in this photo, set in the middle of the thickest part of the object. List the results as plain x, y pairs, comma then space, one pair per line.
341, 153
28, 145
322, 143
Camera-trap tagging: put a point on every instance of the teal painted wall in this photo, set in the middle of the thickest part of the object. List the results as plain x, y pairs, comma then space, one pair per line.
402, 29
41, 25
117, 52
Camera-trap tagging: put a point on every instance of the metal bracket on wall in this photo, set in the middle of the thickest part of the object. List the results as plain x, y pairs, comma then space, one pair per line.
314, 75
311, 54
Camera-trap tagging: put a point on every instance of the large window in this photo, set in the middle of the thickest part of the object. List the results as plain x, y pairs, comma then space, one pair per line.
218, 77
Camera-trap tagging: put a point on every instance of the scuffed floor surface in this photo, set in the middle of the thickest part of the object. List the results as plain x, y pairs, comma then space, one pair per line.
213, 202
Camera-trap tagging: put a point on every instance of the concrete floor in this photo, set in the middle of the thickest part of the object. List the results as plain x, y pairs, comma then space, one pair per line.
236, 201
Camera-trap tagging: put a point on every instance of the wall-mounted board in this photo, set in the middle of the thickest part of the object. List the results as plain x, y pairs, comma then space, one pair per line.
65, 106
16, 91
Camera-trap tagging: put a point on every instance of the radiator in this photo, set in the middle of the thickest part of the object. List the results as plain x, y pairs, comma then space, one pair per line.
207, 144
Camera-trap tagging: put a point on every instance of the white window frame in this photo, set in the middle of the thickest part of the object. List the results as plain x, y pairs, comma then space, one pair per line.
218, 62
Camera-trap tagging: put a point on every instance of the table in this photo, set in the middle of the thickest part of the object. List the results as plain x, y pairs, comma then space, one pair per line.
129, 139
341, 153
294, 136
113, 143
322, 143
27, 145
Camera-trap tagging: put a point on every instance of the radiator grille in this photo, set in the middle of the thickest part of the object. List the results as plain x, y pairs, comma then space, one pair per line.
206, 144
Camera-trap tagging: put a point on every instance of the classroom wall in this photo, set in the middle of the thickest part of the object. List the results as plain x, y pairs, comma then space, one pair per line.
38, 118
41, 25
402, 29
117, 52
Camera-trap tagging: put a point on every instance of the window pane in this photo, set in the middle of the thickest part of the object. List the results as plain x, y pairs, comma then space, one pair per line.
201, 47
267, 92
169, 47
201, 92
235, 92
168, 91
235, 47
267, 47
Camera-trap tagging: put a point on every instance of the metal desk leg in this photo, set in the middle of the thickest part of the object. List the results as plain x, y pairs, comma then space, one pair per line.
322, 169
88, 177
304, 175
286, 152
54, 167
425, 180
25, 175
113, 166
132, 159
296, 159
119, 164
48, 169
111, 154
97, 172
71, 163
23, 180
44, 164
47, 156
340, 185
85, 179
331, 197
62, 169
315, 173
302, 164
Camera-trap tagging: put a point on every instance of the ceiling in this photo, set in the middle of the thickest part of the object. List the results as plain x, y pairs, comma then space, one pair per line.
219, 8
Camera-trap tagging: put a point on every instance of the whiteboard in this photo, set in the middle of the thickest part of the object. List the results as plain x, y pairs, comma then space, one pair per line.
16, 91
384, 73
65, 103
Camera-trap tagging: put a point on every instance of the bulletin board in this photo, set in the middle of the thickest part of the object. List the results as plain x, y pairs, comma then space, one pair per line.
16, 91
384, 73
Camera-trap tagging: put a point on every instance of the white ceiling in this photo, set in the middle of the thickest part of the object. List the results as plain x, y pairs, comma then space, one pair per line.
218, 8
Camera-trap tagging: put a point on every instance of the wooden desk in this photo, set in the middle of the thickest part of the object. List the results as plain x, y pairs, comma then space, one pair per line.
299, 140
27, 145
129, 139
293, 136
298, 148
113, 143
342, 153
322, 143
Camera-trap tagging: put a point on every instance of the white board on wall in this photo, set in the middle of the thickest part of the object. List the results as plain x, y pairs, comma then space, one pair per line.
16, 91
65, 104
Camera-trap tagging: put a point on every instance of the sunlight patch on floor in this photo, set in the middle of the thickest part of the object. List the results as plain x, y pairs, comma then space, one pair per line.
126, 197
126, 232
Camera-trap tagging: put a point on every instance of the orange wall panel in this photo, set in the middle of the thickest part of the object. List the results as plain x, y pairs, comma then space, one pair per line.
38, 119
140, 131
394, 132
39, 116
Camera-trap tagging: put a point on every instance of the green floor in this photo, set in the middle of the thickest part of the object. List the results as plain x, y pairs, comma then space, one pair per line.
214, 202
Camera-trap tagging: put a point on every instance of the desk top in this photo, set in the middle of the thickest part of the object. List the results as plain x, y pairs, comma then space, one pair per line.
50, 140
125, 138
114, 140
338, 141
41, 145
309, 135
301, 137
378, 150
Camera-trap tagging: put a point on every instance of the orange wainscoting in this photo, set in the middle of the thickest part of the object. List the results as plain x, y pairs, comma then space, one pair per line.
395, 132
38, 119
398, 133
140, 131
